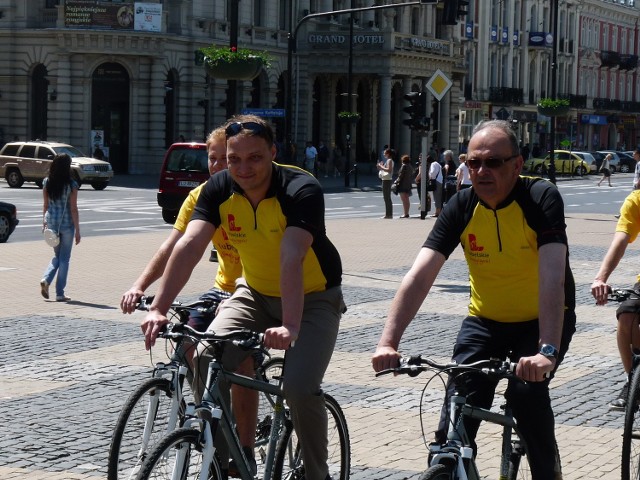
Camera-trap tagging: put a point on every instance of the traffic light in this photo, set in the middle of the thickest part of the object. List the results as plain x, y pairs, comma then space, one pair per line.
453, 10
417, 111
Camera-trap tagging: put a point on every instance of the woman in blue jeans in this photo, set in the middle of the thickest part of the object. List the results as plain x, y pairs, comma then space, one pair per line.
60, 214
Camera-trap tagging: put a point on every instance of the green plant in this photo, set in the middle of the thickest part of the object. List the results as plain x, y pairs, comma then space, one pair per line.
348, 115
553, 103
217, 55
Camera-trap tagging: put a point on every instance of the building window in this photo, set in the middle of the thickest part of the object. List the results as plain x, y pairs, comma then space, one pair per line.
258, 13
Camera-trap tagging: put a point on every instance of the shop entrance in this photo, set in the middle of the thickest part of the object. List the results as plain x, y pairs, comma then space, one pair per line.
110, 114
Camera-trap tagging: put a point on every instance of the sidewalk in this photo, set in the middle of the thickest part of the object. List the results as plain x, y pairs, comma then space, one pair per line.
69, 367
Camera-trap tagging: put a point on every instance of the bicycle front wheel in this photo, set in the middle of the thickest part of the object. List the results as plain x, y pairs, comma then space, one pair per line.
143, 420
438, 472
288, 462
178, 455
631, 435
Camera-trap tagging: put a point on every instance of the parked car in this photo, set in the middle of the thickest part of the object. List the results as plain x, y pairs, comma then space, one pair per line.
185, 166
8, 220
566, 162
619, 162
29, 162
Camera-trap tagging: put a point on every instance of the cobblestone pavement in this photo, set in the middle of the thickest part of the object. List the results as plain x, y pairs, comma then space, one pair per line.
68, 368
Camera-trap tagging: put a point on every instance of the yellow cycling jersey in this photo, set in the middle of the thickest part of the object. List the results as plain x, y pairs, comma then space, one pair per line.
294, 199
229, 266
629, 221
501, 247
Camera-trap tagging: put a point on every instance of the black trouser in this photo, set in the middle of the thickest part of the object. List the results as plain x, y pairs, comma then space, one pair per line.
386, 195
481, 339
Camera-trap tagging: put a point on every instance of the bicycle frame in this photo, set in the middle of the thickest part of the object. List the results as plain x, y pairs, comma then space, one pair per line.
458, 438
214, 412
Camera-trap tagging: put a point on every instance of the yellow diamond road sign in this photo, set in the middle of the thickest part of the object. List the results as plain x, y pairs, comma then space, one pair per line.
439, 84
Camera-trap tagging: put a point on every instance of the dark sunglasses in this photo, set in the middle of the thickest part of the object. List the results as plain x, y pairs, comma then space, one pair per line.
255, 128
491, 162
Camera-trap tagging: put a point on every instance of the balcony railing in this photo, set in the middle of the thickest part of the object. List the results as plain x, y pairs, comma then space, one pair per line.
609, 59
575, 101
506, 95
628, 61
606, 104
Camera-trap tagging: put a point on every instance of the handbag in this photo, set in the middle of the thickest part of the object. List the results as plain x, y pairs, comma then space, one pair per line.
394, 188
51, 237
431, 186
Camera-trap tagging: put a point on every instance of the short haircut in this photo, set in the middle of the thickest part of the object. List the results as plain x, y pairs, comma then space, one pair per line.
504, 127
266, 132
216, 135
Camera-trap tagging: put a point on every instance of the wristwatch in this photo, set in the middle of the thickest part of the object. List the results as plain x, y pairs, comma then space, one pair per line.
549, 351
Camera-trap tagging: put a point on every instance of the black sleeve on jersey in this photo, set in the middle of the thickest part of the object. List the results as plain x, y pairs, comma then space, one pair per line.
445, 235
213, 194
301, 200
543, 208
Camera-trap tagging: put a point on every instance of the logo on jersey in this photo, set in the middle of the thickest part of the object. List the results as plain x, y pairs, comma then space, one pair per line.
232, 223
473, 244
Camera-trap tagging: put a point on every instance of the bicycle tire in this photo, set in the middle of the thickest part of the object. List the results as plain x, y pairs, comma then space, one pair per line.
288, 462
439, 471
125, 455
631, 435
163, 458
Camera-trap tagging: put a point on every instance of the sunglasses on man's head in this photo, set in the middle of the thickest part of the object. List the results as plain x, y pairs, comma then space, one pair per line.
254, 127
491, 162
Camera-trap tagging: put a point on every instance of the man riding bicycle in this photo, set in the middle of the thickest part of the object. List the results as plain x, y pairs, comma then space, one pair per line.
522, 300
274, 216
628, 332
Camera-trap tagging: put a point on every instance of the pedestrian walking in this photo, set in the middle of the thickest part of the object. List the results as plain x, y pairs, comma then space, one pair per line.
463, 180
605, 169
60, 213
323, 159
436, 182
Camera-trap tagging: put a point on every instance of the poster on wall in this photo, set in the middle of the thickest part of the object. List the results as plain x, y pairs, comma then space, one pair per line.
96, 14
148, 17
98, 150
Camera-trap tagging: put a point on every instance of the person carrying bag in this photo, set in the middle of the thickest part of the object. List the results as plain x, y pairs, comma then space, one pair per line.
60, 207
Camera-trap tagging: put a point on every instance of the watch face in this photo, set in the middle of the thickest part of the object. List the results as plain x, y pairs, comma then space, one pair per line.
548, 350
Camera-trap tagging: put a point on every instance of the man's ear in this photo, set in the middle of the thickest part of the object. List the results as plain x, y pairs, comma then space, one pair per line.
274, 151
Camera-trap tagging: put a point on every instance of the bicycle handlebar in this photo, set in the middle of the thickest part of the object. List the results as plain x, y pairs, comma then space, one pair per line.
416, 364
245, 339
622, 294
183, 310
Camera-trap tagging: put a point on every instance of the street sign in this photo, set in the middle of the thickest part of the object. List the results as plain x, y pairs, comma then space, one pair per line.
264, 112
439, 84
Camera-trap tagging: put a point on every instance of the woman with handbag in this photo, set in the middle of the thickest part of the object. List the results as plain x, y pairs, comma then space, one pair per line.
385, 172
60, 223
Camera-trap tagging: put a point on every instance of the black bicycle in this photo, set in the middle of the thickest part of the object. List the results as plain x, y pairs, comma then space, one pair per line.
631, 435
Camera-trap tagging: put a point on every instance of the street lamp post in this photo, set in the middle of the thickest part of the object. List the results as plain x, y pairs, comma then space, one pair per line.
347, 163
554, 69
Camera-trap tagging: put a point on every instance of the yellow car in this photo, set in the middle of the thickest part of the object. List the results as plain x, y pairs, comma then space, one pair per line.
566, 162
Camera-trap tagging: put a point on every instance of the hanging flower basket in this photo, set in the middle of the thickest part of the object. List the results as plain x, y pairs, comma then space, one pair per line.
553, 108
230, 63
349, 117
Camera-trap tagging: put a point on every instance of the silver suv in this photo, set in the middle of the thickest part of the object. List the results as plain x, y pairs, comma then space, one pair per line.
29, 162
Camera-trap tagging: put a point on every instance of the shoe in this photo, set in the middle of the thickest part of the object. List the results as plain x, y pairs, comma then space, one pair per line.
214, 255
44, 288
620, 402
233, 469
403, 216
62, 298
434, 215
617, 215
386, 217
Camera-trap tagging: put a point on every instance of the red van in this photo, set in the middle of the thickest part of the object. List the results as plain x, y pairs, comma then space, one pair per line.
185, 166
